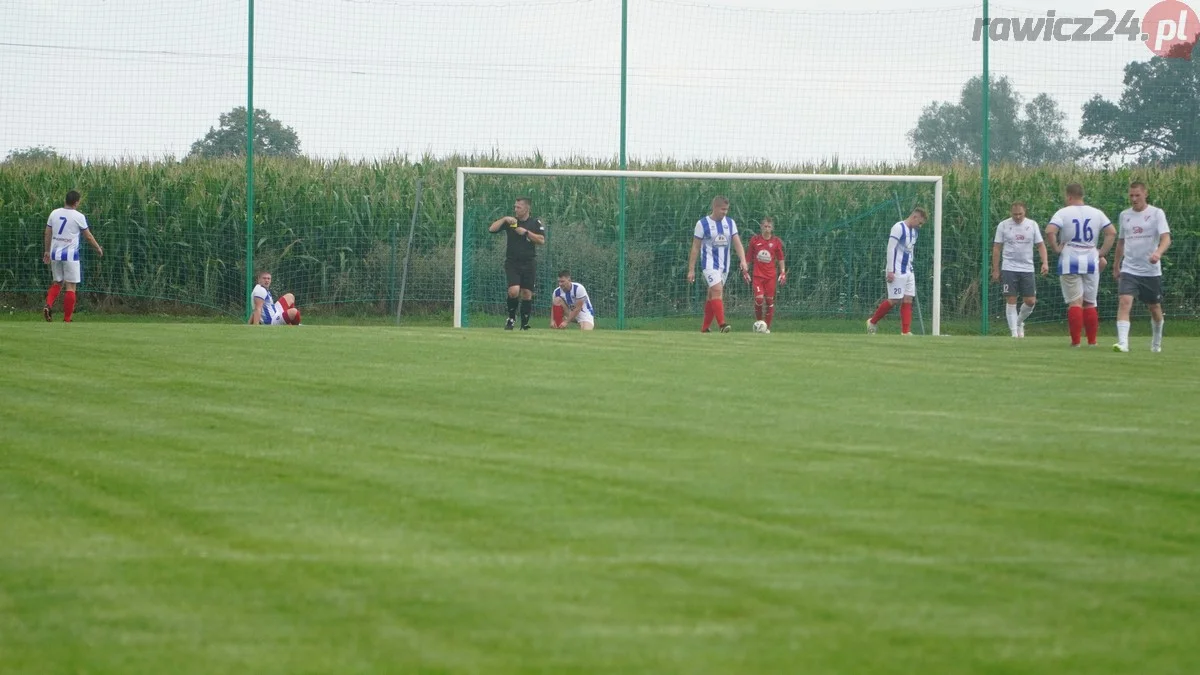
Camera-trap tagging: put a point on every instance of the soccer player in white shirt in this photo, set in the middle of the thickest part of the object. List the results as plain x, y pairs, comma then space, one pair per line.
60, 250
571, 304
901, 283
1137, 267
711, 241
268, 311
1014, 242
1079, 263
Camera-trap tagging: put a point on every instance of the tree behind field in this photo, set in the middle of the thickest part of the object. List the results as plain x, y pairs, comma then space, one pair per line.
271, 137
1026, 133
1155, 120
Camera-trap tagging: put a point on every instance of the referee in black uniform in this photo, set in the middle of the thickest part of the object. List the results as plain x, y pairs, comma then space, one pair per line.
524, 232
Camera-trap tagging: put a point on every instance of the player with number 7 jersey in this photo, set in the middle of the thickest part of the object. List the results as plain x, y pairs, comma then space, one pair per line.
1079, 262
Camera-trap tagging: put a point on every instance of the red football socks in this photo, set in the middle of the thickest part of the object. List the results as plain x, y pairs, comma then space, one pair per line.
1091, 323
881, 311
1075, 322
708, 315
68, 305
556, 314
770, 311
719, 311
905, 317
758, 308
52, 295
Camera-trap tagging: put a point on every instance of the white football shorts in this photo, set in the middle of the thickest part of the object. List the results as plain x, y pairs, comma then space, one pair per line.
275, 311
65, 270
714, 277
901, 286
585, 317
1075, 286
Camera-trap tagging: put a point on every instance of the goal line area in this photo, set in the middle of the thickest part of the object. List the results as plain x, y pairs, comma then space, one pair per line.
626, 235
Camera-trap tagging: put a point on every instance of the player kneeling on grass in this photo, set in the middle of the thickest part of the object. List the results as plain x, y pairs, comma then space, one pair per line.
571, 303
901, 284
269, 312
1014, 242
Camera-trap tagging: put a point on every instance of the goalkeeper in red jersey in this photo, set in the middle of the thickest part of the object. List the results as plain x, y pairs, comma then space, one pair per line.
766, 255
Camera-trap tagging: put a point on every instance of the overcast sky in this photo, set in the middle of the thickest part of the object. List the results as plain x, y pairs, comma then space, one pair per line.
749, 79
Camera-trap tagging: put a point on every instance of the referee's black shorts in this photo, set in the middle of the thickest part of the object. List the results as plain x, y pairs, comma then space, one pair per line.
520, 273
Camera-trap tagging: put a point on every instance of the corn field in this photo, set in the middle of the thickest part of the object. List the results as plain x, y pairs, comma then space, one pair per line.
336, 233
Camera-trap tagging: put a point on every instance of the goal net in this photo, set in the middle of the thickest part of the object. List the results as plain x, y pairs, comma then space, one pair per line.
626, 235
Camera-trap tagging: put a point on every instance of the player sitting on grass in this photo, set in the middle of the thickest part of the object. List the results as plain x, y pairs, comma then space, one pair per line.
571, 303
765, 251
268, 312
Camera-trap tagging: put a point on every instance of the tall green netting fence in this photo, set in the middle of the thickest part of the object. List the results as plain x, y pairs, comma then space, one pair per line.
140, 106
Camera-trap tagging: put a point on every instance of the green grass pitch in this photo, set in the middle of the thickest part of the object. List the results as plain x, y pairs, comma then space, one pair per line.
328, 499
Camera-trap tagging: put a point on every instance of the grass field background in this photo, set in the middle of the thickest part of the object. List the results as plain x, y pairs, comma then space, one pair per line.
211, 498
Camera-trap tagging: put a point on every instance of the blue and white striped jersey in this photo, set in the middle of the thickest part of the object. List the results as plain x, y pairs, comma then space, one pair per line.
1079, 228
577, 294
65, 227
715, 237
901, 242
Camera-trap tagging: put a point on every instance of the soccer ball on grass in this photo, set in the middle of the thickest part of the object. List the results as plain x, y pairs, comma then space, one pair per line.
761, 327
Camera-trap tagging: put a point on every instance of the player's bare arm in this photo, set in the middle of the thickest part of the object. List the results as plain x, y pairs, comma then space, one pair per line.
1118, 258
1164, 243
1045, 258
501, 222
536, 239
46, 245
256, 314
692, 255
782, 272
1110, 236
741, 254
1052, 238
996, 261
87, 234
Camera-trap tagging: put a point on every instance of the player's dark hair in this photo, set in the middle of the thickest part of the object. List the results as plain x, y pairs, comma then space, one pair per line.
766, 219
72, 198
564, 273
527, 200
920, 210
258, 274
1075, 190
1020, 204
1138, 184
721, 199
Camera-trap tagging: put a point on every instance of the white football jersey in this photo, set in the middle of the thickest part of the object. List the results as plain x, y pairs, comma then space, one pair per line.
272, 313
1141, 230
900, 260
716, 236
1018, 242
577, 294
1079, 229
65, 227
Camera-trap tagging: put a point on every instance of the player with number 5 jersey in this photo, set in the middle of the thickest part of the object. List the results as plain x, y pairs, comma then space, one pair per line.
1079, 263
61, 252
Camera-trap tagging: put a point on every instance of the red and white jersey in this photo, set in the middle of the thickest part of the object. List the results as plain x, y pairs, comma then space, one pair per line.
1079, 228
1141, 230
65, 225
716, 236
763, 254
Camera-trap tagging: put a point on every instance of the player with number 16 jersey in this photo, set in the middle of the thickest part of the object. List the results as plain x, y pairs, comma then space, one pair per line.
1079, 263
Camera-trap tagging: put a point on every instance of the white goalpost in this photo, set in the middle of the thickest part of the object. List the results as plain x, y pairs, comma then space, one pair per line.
464, 171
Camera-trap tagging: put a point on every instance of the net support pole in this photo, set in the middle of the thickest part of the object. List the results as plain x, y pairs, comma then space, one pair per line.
249, 162
412, 230
621, 215
459, 182
984, 161
937, 257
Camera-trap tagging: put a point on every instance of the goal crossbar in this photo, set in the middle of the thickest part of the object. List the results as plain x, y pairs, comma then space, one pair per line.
463, 171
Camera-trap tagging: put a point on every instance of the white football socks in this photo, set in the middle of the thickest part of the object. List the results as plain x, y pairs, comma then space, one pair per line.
1156, 330
1026, 310
1010, 311
1123, 333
